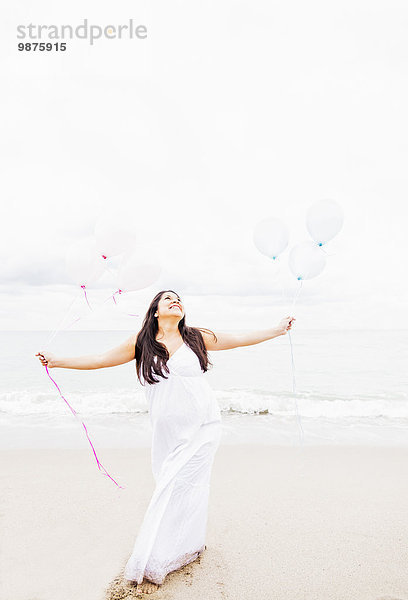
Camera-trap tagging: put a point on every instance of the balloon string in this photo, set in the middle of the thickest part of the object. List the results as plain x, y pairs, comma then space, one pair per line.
59, 326
295, 297
103, 302
74, 321
112, 296
297, 293
100, 465
299, 421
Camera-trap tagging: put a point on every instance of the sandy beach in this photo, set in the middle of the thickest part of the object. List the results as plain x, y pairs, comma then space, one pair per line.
316, 523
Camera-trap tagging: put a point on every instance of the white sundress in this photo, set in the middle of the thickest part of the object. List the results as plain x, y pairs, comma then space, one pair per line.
186, 424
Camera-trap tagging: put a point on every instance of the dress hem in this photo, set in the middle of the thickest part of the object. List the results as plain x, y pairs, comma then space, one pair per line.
173, 566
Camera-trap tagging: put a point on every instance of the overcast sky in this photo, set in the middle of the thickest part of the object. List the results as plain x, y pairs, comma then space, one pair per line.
229, 112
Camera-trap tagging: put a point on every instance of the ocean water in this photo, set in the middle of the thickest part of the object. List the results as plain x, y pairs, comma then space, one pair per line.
351, 388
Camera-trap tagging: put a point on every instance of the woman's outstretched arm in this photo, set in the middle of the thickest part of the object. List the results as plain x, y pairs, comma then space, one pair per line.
227, 341
119, 355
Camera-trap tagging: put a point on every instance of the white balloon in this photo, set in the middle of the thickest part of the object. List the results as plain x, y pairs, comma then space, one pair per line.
138, 270
324, 220
271, 236
306, 260
113, 235
84, 263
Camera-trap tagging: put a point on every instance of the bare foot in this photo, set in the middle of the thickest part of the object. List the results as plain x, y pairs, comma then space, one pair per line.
147, 587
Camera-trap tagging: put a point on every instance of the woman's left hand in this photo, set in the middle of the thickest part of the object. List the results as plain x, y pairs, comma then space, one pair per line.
285, 325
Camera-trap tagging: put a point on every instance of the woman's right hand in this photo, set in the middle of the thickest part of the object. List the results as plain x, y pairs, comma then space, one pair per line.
47, 359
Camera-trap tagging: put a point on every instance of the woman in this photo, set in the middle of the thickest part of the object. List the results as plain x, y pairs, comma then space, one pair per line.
171, 360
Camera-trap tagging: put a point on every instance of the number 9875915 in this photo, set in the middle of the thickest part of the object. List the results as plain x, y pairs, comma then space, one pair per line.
42, 46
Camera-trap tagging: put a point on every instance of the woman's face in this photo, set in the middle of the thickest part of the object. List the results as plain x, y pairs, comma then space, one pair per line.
170, 305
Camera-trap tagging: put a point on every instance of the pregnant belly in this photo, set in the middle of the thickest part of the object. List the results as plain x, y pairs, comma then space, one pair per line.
182, 405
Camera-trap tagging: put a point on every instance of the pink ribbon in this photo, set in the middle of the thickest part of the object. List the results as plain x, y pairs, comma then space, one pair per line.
86, 297
100, 465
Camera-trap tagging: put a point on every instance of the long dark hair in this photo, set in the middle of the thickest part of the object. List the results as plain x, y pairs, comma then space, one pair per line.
147, 347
